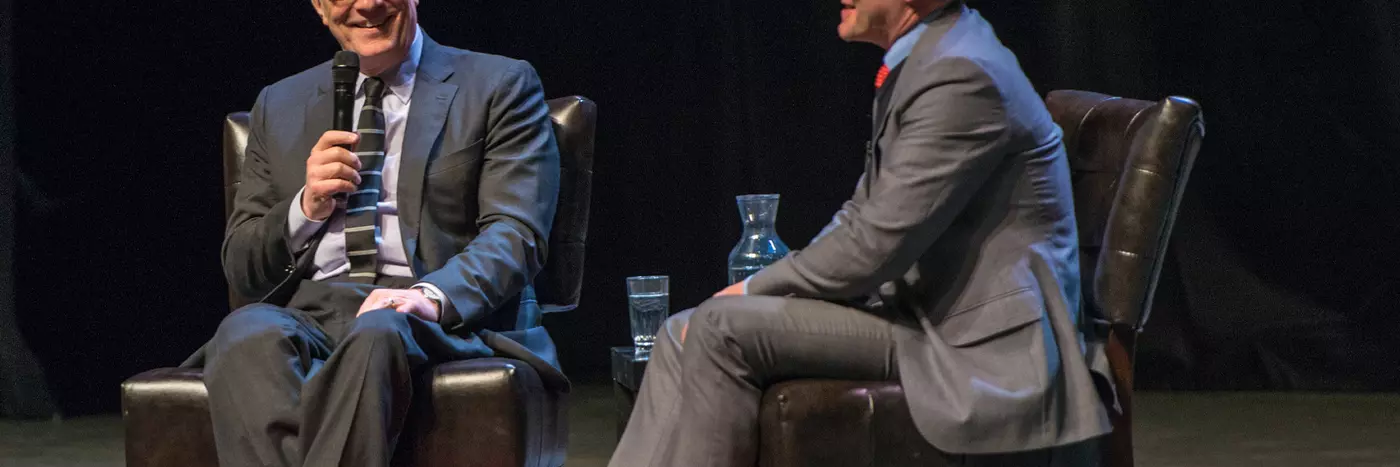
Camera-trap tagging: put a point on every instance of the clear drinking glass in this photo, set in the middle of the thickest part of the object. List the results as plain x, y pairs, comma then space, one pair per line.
648, 305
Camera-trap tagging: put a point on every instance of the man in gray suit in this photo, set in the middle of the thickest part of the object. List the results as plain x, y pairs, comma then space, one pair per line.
953, 269
369, 255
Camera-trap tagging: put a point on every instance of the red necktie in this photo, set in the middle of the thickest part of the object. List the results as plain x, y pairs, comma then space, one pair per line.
881, 75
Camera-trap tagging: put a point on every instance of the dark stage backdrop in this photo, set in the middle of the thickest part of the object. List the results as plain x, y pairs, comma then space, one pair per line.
23, 392
1282, 271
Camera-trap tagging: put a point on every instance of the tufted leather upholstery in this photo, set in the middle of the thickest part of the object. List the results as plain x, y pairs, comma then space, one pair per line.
807, 423
1129, 160
493, 411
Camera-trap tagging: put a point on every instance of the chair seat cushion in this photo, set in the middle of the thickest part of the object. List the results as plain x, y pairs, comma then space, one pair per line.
494, 411
813, 422
166, 414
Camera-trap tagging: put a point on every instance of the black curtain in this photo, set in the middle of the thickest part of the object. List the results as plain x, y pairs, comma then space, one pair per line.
23, 391
1281, 272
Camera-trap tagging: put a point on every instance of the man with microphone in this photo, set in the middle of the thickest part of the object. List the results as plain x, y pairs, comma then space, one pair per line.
953, 269
366, 255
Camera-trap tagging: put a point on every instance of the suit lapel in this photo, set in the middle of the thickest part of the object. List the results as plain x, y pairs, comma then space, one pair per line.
914, 63
427, 115
316, 121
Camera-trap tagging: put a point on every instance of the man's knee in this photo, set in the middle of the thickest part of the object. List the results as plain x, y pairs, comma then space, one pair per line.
252, 327
718, 319
378, 327
249, 342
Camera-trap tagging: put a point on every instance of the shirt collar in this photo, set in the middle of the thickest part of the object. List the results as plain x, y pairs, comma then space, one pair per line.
401, 80
903, 46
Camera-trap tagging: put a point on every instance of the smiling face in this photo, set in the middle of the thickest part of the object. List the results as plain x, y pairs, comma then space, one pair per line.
380, 31
880, 22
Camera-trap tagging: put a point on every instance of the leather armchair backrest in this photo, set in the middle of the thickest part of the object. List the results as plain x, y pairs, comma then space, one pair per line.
1129, 161
235, 147
558, 287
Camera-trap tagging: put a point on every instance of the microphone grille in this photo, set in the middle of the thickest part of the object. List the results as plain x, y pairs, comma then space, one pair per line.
345, 67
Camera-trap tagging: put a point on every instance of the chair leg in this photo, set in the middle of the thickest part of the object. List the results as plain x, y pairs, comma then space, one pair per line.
1118, 448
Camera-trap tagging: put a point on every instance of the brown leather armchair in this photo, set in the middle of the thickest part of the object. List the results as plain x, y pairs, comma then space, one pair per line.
494, 411
1129, 160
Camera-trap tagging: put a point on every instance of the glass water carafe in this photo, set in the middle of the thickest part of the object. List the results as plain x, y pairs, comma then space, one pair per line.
760, 245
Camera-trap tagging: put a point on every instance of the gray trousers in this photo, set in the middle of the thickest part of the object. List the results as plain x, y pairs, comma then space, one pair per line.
313, 385
698, 404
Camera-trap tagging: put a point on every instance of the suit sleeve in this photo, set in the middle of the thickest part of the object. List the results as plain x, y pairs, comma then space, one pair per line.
257, 252
518, 189
952, 137
849, 205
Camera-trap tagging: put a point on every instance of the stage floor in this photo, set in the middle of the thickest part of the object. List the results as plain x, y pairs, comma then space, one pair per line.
1174, 430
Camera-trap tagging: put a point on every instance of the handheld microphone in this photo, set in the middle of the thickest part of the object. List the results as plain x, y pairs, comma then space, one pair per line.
345, 69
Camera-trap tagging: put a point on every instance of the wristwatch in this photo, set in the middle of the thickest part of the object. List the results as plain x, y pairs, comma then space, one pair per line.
431, 294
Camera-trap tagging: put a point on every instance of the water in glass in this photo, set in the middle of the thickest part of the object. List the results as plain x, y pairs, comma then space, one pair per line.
648, 310
648, 304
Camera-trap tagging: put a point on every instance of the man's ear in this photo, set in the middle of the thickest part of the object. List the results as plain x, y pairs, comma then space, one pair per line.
320, 13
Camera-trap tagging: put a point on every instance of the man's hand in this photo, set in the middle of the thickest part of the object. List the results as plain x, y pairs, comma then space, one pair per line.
736, 288
329, 170
409, 301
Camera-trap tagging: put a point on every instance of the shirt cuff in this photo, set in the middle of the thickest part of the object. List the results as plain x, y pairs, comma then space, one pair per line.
300, 228
446, 302
745, 287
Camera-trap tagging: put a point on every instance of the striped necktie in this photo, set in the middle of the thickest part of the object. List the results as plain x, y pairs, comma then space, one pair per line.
361, 209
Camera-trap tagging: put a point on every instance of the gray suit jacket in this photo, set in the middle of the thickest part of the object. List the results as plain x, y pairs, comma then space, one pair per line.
964, 230
478, 185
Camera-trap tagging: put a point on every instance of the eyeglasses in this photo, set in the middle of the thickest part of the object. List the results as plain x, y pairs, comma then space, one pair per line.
347, 3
